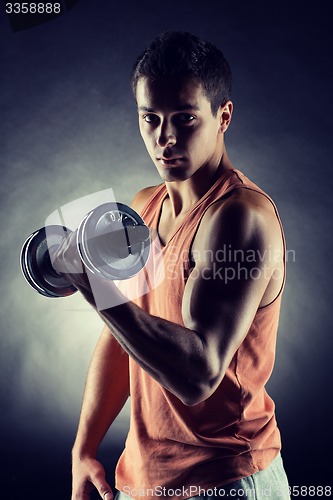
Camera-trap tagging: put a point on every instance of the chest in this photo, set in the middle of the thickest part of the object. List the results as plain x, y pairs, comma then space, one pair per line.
168, 224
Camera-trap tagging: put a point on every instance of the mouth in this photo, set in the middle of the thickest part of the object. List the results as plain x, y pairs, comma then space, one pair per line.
173, 161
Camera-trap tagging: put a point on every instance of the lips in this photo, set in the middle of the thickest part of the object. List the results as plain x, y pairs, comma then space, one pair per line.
170, 158
171, 162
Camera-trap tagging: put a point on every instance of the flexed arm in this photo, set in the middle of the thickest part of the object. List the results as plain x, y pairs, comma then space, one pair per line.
217, 312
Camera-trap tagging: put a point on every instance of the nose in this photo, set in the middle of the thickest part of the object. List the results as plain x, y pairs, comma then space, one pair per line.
166, 136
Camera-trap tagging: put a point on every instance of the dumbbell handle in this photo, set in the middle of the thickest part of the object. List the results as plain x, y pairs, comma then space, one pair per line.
122, 242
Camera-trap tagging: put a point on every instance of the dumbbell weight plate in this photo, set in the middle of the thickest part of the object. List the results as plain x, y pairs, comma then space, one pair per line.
36, 264
113, 241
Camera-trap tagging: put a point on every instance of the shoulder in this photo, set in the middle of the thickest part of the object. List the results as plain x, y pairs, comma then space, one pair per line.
243, 206
141, 198
245, 217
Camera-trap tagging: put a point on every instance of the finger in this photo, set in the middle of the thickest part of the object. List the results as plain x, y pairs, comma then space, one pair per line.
108, 496
66, 259
103, 488
105, 491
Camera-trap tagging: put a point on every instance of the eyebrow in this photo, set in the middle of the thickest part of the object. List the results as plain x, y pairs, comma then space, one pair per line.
184, 107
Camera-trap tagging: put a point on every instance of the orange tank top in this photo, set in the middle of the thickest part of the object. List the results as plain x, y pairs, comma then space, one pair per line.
171, 448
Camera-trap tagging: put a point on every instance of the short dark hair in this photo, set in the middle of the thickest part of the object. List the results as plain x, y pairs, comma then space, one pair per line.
180, 54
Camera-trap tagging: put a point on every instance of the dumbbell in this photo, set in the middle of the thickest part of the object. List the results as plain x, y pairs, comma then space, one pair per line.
112, 240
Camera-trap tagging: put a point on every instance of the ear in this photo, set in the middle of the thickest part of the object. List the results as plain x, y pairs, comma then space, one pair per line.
225, 114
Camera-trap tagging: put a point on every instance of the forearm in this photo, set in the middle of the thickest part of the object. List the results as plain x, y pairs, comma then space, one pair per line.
106, 391
177, 357
167, 351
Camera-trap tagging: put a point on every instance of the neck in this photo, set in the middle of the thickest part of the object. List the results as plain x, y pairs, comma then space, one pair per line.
184, 194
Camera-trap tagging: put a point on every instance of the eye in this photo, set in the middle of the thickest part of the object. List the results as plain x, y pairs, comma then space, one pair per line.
185, 118
150, 118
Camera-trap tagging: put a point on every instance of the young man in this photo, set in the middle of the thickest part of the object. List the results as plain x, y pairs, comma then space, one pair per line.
195, 351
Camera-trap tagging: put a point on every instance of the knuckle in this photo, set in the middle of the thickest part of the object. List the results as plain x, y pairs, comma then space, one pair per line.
67, 258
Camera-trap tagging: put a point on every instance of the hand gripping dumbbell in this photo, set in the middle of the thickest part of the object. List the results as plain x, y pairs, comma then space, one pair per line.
112, 240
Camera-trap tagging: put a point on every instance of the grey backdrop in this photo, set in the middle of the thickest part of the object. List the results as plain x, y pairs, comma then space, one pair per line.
68, 129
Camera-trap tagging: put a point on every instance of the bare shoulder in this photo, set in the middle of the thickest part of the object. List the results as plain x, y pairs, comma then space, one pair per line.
141, 197
244, 215
244, 205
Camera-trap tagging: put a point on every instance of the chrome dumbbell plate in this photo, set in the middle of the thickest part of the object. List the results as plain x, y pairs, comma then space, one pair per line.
113, 241
36, 263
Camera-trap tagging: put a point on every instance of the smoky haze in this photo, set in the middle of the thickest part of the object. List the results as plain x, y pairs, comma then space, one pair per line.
69, 129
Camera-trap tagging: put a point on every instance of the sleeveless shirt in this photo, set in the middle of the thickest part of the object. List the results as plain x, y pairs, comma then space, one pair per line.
172, 447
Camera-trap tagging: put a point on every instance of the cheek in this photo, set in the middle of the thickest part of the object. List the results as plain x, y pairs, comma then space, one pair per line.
148, 139
202, 142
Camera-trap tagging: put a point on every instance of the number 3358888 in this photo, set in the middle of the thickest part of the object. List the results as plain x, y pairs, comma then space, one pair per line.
33, 8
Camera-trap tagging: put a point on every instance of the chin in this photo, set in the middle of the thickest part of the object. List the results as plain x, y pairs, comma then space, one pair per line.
174, 174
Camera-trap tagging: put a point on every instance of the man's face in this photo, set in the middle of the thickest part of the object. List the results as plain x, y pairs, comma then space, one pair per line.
178, 127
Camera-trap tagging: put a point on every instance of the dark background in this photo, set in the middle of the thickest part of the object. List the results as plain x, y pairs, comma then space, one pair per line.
69, 129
